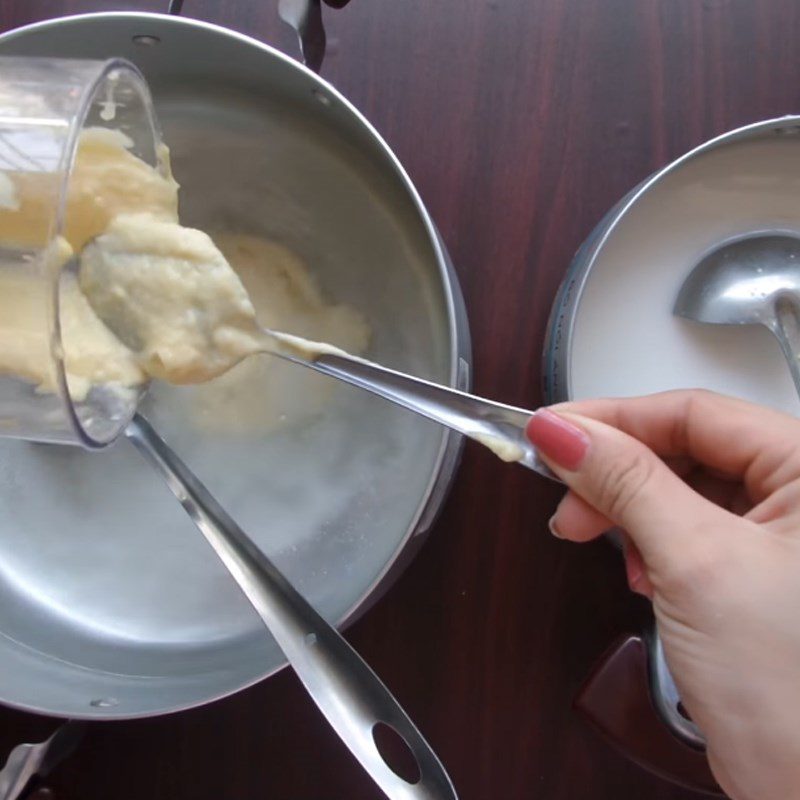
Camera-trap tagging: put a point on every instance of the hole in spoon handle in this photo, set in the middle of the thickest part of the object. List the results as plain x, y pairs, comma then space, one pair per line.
396, 752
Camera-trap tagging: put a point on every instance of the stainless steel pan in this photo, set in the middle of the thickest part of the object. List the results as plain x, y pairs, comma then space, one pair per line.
110, 604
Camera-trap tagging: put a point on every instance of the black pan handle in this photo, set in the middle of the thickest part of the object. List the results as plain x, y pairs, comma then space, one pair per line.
305, 18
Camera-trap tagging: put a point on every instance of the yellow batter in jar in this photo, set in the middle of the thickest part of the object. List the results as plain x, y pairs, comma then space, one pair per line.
174, 301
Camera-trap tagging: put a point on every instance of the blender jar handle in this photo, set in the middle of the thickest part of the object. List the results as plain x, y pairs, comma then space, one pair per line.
305, 18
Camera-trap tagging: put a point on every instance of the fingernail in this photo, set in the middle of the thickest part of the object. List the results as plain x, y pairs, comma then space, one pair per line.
557, 439
554, 527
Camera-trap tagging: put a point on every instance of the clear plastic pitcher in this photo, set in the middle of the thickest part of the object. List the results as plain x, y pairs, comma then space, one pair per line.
45, 104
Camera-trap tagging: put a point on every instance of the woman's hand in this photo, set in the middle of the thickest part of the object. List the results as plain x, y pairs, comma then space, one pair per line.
707, 489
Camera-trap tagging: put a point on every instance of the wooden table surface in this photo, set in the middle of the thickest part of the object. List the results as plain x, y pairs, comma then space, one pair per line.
521, 122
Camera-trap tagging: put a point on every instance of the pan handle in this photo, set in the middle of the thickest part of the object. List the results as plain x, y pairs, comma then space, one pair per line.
665, 695
305, 18
617, 701
663, 691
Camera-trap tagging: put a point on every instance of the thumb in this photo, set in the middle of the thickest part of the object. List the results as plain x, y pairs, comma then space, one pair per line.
626, 482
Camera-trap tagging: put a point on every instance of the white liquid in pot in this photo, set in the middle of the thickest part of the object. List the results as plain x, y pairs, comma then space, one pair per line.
626, 341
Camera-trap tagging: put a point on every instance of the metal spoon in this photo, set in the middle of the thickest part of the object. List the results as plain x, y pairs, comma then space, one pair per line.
497, 426
751, 281
347, 691
230, 333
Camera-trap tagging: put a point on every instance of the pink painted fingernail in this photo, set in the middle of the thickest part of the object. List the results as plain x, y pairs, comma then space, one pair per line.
557, 439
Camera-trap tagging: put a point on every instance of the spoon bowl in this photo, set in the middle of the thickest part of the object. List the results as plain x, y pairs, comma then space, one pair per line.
750, 281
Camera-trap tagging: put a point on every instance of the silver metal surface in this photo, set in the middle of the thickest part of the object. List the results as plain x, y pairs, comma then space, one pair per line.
93, 622
666, 698
754, 280
347, 691
305, 18
495, 425
26, 761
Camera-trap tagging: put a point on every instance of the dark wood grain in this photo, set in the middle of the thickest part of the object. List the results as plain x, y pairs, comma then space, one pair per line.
537, 116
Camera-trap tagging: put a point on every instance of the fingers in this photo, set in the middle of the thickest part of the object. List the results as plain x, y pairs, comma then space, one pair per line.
581, 523
720, 491
577, 521
626, 483
780, 512
736, 438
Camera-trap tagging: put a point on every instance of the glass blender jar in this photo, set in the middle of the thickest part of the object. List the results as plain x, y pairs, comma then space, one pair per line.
45, 105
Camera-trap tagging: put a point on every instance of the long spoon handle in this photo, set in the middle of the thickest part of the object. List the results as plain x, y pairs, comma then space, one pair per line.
347, 691
499, 427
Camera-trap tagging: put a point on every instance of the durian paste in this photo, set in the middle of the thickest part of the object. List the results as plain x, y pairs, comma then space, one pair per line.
152, 298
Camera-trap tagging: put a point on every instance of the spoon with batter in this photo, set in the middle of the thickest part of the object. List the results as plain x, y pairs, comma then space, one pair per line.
171, 297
